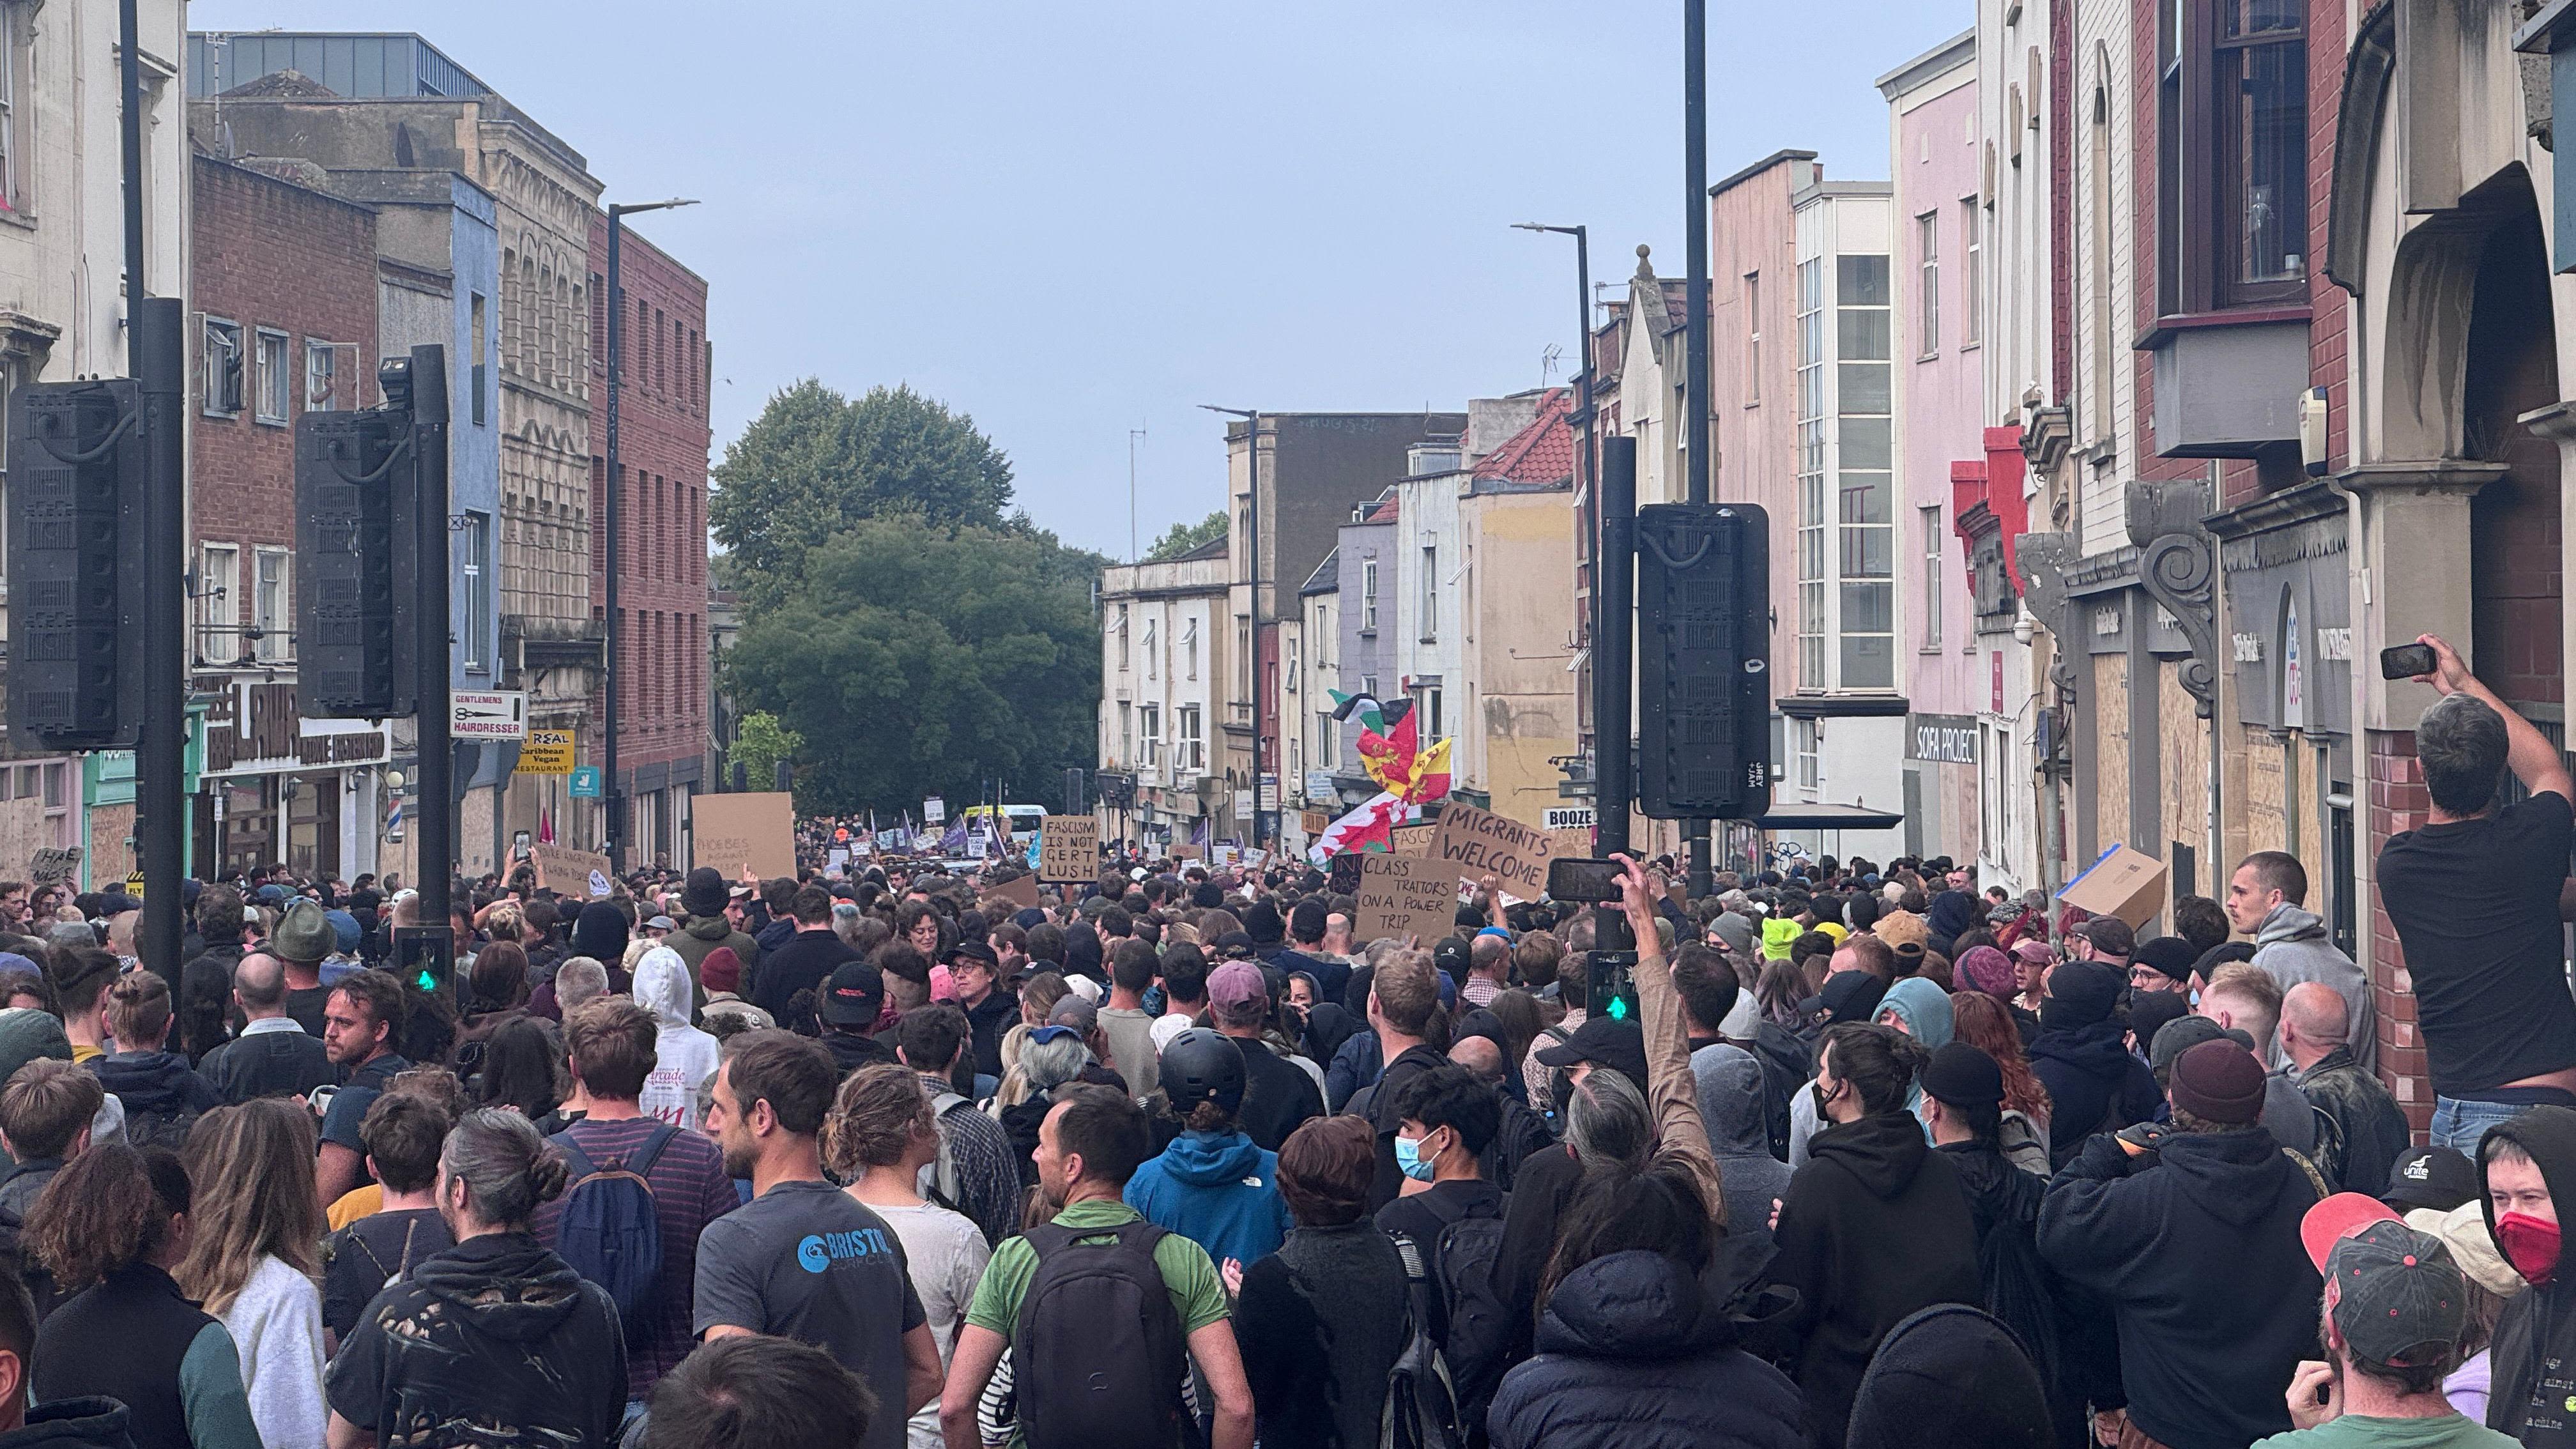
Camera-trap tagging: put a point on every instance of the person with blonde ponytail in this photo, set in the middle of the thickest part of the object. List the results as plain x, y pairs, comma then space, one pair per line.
253, 1258
496, 1332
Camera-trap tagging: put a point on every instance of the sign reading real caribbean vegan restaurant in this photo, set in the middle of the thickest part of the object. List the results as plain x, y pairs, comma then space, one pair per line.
1478, 843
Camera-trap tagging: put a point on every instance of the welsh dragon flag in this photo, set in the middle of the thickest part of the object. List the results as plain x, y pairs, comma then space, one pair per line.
1368, 827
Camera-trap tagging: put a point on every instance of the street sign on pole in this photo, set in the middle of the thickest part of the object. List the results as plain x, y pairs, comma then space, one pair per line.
495, 715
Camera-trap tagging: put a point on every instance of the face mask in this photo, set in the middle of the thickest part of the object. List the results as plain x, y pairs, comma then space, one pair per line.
2530, 1245
1824, 1100
1408, 1157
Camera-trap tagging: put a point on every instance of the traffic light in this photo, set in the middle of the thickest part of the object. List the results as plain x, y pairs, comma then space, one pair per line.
1609, 970
75, 560
1703, 661
425, 957
354, 564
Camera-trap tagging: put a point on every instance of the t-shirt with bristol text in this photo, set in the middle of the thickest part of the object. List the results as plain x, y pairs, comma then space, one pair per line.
2475, 904
805, 1260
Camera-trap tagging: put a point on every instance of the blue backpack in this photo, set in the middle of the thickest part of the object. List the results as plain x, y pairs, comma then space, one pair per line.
609, 1232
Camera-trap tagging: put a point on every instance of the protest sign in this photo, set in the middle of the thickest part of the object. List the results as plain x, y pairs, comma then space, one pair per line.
1069, 848
755, 830
1404, 895
580, 874
1478, 843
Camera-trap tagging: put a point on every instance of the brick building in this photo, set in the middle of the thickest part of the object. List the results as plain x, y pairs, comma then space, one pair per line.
283, 281
663, 437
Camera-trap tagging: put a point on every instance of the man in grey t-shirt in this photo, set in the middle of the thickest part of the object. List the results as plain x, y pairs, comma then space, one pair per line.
803, 1259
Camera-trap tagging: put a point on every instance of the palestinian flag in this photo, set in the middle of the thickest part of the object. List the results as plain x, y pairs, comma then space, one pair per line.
1373, 714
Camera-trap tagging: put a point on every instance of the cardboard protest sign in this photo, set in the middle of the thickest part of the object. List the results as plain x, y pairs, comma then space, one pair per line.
1478, 843
1404, 895
1186, 851
2129, 884
1069, 848
1019, 890
1570, 844
580, 874
1343, 875
755, 830
1412, 839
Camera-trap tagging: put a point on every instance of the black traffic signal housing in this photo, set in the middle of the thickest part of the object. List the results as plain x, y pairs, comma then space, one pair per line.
75, 561
1703, 661
354, 564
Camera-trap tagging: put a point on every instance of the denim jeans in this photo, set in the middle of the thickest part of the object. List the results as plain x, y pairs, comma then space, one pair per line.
2463, 1125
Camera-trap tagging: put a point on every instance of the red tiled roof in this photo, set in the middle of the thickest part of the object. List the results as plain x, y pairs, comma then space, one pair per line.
1542, 452
1386, 512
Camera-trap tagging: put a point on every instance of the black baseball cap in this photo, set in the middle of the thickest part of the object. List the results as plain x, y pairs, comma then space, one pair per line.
853, 996
1848, 996
2440, 1178
1603, 1041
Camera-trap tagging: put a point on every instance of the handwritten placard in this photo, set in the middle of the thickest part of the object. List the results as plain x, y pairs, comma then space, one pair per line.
1412, 839
1069, 848
756, 830
1478, 843
1404, 895
580, 874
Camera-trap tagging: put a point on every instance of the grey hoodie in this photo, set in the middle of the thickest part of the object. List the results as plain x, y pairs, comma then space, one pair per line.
2292, 946
1729, 1081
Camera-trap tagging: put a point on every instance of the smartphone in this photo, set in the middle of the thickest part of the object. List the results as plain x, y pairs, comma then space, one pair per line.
1583, 880
2405, 661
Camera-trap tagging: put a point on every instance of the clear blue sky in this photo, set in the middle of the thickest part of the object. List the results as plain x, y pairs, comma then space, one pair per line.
1073, 220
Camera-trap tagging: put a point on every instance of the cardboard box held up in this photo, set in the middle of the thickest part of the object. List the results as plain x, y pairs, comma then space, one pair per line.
2129, 884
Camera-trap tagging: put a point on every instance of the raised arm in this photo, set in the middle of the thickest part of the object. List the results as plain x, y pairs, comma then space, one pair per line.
2528, 753
1671, 1091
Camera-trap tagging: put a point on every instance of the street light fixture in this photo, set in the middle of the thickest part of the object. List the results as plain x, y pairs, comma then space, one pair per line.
1252, 560
1605, 801
615, 793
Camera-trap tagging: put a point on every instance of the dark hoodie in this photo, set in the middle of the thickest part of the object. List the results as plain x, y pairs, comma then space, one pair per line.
495, 1330
2094, 1083
2004, 1202
2538, 1327
1874, 1227
1634, 1353
700, 934
1950, 1375
91, 1423
163, 1096
2198, 1257
1729, 1081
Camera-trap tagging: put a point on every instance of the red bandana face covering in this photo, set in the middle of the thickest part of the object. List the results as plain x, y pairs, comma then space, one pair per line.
2530, 1245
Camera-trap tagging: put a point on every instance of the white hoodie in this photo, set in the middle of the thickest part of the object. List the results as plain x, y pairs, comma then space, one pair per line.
683, 1056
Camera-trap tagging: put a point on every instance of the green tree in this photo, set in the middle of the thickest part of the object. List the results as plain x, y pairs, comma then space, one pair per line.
1180, 538
760, 742
815, 462
919, 660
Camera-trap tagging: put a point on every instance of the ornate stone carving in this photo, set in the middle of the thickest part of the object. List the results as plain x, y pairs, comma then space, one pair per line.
2178, 567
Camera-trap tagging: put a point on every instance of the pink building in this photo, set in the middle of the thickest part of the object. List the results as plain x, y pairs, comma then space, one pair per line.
1942, 468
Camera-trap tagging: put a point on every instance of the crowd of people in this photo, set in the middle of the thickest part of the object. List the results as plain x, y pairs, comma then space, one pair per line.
1855, 1155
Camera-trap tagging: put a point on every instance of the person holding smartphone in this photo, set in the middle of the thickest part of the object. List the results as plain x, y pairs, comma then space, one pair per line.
2478, 895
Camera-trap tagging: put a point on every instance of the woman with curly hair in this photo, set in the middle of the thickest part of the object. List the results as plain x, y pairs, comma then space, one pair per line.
111, 1225
878, 1138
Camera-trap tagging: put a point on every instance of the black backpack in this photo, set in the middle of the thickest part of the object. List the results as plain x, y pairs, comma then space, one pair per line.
1097, 1354
1474, 1325
1421, 1399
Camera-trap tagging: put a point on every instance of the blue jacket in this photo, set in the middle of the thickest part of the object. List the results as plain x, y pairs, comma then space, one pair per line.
1217, 1190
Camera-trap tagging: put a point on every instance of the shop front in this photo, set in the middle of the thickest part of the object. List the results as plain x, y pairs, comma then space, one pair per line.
279, 789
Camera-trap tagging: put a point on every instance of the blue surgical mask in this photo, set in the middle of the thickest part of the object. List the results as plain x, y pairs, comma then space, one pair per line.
1408, 1156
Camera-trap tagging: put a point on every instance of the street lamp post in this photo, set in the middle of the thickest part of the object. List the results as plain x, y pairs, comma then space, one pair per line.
1610, 805
611, 789
1252, 563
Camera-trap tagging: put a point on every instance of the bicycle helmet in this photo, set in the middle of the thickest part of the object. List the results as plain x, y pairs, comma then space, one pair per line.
1202, 1066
